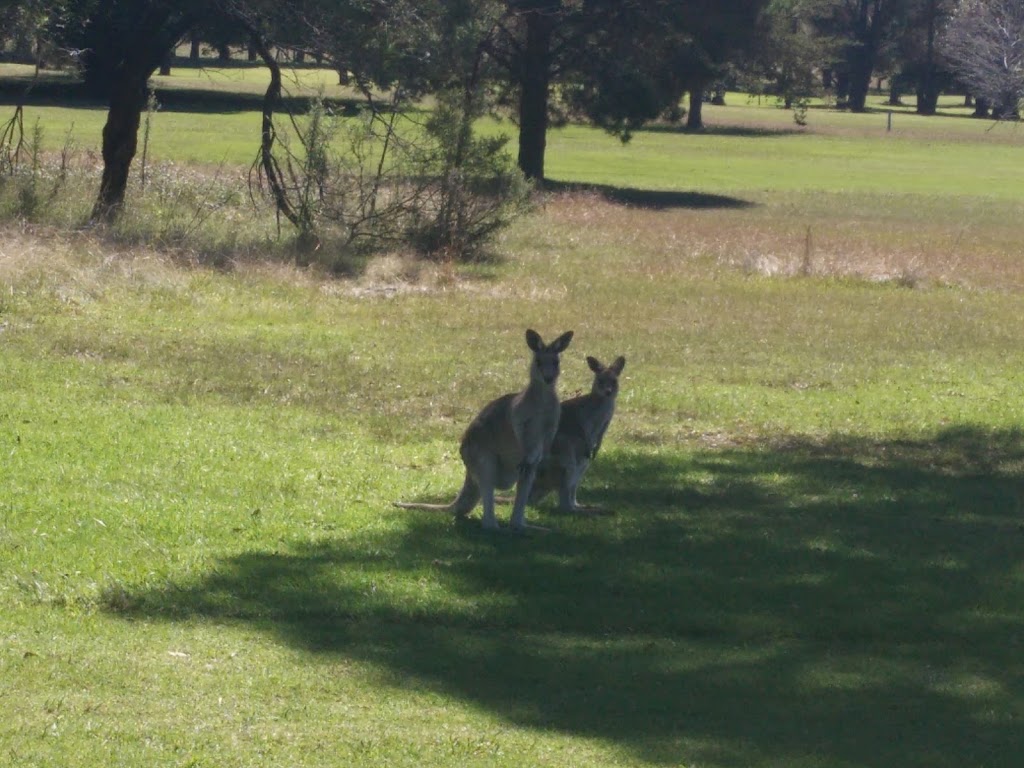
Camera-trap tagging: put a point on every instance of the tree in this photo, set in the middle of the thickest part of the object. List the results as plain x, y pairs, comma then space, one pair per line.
916, 62
867, 22
790, 52
24, 25
122, 43
984, 42
427, 181
537, 39
620, 63
705, 37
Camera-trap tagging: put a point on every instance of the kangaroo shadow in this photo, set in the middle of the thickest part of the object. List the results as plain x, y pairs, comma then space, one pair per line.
850, 601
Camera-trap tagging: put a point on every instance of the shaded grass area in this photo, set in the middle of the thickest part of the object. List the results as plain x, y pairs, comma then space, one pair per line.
852, 602
653, 199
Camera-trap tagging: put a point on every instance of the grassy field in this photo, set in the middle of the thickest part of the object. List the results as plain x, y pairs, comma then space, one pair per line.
816, 464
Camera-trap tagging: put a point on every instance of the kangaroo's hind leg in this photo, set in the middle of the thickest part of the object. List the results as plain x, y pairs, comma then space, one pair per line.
570, 484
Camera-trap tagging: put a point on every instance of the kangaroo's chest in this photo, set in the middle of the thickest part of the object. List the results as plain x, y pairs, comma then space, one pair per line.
537, 417
587, 416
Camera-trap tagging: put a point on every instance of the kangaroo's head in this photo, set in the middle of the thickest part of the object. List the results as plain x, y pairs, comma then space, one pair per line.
606, 379
544, 368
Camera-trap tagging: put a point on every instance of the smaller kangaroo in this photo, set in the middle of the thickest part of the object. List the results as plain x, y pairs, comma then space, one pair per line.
505, 443
581, 428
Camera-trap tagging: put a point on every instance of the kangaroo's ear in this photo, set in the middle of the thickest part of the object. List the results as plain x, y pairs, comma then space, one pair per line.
595, 364
533, 340
618, 365
558, 345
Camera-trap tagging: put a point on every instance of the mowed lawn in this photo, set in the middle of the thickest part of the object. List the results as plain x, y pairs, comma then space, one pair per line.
816, 465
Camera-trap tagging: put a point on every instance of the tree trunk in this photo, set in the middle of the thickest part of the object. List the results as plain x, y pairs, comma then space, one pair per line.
842, 86
165, 63
862, 64
867, 31
535, 85
1006, 108
694, 118
980, 107
895, 93
927, 97
927, 89
193, 51
119, 72
120, 142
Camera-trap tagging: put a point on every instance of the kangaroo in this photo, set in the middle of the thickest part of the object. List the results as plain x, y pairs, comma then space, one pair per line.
505, 443
581, 428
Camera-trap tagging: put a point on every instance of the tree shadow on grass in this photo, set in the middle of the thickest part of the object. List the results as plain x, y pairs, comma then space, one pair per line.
71, 93
655, 199
852, 602
730, 131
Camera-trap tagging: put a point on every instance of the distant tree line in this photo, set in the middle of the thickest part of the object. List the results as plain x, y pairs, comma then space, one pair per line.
618, 64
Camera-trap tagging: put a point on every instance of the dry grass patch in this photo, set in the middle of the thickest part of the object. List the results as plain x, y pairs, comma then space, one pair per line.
79, 267
891, 241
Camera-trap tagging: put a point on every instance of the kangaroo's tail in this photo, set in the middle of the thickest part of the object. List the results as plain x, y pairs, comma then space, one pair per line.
462, 506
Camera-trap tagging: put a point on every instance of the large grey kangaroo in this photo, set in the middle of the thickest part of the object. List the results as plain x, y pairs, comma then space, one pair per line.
505, 443
581, 428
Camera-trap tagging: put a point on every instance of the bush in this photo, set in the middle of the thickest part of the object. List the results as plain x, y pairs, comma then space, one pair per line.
476, 188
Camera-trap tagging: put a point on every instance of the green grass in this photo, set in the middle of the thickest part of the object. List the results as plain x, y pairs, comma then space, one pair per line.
816, 465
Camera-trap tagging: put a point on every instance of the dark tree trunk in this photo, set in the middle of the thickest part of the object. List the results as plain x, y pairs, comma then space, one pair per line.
842, 85
867, 32
117, 69
250, 52
165, 63
120, 142
927, 97
968, 100
895, 92
862, 63
1006, 108
194, 50
980, 107
827, 77
223, 53
695, 118
535, 86
928, 87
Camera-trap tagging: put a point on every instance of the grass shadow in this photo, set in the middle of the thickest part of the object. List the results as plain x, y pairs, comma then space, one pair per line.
852, 602
656, 199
